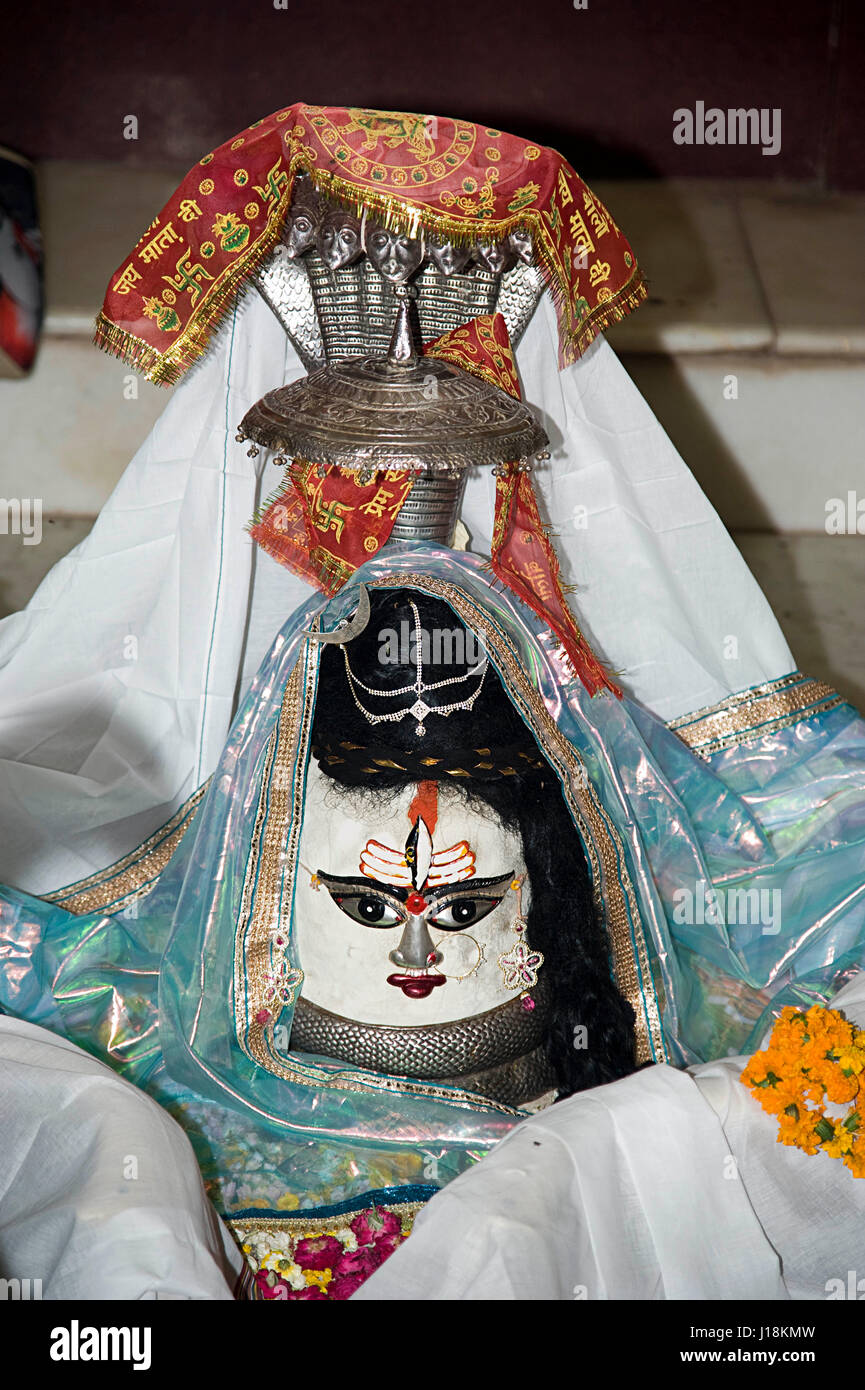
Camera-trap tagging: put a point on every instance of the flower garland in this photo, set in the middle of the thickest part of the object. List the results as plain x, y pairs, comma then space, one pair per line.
331, 1265
811, 1056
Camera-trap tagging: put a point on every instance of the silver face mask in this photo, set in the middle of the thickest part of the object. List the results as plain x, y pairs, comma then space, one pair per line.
448, 258
495, 256
393, 254
411, 948
339, 239
520, 241
302, 222
396, 930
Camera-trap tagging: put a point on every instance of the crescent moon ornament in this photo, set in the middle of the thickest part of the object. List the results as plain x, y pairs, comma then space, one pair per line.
349, 627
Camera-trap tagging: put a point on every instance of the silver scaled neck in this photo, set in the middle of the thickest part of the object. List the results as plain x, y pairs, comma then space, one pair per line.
431, 510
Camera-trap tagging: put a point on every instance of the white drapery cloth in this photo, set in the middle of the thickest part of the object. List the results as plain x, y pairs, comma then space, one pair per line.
665, 1185
100, 1193
119, 680
615, 1193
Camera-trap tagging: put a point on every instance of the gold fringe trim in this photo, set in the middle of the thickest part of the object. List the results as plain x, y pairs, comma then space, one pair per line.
132, 350
275, 496
614, 310
166, 367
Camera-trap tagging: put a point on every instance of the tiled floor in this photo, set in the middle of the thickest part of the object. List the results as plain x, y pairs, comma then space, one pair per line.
743, 267
815, 584
23, 567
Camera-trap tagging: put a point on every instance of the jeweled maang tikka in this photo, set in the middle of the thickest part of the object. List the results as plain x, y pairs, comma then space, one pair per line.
419, 709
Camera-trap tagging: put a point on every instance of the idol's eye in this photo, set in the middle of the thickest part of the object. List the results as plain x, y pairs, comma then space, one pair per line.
462, 912
367, 909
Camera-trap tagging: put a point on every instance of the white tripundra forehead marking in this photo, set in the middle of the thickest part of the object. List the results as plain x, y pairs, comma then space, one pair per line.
452, 865
386, 865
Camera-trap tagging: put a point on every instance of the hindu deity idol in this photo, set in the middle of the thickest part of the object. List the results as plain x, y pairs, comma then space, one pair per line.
395, 866
444, 913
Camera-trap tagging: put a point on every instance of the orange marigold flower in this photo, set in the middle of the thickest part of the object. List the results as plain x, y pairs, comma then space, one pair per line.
806, 1059
851, 1058
855, 1161
840, 1145
841, 1089
756, 1069
798, 1134
813, 1088
788, 1092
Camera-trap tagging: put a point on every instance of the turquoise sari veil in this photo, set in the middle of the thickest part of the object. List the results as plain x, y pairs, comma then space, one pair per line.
181, 968
231, 973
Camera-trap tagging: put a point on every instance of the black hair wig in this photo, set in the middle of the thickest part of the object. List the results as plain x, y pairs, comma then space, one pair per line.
491, 756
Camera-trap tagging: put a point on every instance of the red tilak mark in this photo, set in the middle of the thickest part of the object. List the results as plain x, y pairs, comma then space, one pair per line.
416, 986
426, 806
416, 903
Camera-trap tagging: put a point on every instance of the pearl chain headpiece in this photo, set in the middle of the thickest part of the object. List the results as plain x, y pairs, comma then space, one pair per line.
420, 709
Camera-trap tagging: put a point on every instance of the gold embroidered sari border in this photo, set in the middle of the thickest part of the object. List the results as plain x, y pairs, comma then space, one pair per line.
135, 873
301, 1223
753, 714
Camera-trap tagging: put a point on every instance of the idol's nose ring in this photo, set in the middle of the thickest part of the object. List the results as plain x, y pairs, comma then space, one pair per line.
415, 950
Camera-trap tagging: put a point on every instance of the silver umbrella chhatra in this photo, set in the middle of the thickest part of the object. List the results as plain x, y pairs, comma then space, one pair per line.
400, 411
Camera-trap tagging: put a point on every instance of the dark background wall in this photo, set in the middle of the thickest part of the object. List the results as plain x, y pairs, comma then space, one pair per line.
601, 83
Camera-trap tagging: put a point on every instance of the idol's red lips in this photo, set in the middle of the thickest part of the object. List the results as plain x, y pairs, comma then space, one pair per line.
416, 986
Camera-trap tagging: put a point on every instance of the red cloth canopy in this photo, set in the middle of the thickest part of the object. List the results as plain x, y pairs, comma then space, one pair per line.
448, 176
